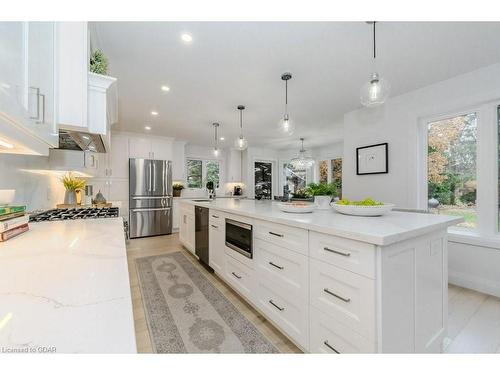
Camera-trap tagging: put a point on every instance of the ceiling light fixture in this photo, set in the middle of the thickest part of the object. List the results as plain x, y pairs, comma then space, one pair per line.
241, 142
374, 92
302, 161
216, 145
186, 37
286, 126
147, 127
165, 88
222, 138
154, 113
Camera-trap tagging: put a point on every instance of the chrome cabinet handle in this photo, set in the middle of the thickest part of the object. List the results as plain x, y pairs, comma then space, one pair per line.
337, 252
215, 216
276, 234
330, 347
275, 305
326, 290
37, 93
235, 275
43, 109
275, 265
215, 226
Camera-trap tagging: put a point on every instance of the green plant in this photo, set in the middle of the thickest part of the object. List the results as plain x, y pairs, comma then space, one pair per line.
98, 62
177, 186
72, 183
210, 185
300, 193
323, 188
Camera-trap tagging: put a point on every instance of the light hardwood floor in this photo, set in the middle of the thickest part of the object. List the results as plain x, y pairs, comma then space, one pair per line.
473, 318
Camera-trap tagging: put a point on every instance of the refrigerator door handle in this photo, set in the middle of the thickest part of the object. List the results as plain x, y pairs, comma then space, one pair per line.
152, 197
154, 176
149, 179
150, 209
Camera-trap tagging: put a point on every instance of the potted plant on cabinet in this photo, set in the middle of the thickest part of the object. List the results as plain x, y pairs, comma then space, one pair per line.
322, 193
177, 188
72, 184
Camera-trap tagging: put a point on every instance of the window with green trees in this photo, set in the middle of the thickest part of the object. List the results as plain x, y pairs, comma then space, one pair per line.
199, 172
451, 167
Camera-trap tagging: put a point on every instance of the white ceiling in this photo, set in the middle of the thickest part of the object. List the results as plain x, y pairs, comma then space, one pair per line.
241, 63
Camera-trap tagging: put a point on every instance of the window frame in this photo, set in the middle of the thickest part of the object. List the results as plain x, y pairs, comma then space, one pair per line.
204, 162
486, 169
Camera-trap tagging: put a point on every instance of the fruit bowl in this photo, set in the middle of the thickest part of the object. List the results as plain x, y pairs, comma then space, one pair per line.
296, 207
366, 207
7, 196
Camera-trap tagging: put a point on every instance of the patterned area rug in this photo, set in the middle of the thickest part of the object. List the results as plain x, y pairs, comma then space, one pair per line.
187, 314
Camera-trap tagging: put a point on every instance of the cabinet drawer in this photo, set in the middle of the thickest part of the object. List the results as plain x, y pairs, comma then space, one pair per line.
240, 277
216, 218
285, 311
346, 296
283, 235
282, 267
329, 336
358, 257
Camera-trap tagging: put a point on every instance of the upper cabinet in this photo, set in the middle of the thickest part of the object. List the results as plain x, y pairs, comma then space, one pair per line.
27, 90
234, 166
150, 148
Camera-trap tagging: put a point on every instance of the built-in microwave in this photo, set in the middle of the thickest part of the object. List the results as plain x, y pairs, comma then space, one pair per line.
239, 237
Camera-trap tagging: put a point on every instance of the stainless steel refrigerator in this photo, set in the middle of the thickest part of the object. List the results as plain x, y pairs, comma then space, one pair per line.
150, 209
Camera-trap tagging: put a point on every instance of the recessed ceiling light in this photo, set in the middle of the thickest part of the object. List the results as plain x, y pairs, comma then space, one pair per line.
147, 127
222, 138
165, 88
154, 113
186, 38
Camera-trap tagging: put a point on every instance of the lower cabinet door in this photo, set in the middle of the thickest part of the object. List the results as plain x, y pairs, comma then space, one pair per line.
290, 314
216, 250
150, 222
330, 336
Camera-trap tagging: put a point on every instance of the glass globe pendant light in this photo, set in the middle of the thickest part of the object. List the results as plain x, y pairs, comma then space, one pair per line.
286, 127
241, 142
216, 143
374, 92
302, 161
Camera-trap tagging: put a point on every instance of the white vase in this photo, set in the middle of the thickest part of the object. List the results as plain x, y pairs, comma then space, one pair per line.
322, 202
70, 197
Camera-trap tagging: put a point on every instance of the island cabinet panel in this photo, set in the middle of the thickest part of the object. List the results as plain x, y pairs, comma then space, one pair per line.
282, 235
285, 310
186, 227
240, 277
345, 296
331, 337
287, 270
414, 295
355, 256
216, 242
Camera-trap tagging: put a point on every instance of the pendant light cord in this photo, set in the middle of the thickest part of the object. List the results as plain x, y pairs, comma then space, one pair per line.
241, 122
286, 96
374, 41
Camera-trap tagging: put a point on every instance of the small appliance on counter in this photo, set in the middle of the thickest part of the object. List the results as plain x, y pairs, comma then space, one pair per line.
238, 190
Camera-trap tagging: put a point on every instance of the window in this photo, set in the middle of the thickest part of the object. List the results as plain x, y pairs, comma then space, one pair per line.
337, 175
451, 167
199, 172
294, 179
263, 176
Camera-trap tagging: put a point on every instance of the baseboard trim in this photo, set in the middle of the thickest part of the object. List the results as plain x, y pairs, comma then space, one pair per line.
473, 282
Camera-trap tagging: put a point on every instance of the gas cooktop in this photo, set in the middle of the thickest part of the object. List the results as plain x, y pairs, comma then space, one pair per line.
75, 213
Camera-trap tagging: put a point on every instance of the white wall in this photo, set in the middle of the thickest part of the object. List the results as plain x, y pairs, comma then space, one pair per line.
36, 191
397, 122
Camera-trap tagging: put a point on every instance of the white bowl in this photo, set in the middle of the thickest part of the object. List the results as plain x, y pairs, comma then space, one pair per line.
296, 208
7, 196
363, 210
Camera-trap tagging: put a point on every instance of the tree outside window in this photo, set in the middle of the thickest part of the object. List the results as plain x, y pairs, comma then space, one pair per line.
451, 160
194, 173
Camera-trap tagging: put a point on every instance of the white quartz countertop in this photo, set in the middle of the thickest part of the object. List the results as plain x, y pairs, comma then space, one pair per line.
64, 287
382, 230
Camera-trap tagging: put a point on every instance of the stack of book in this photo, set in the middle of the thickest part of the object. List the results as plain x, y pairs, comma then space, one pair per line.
13, 221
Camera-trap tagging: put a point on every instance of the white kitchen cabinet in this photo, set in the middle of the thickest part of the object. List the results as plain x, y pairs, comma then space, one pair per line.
27, 92
175, 214
150, 148
187, 227
240, 277
178, 161
216, 239
118, 190
234, 166
117, 166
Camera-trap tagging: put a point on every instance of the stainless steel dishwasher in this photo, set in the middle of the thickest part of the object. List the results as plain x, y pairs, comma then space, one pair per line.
201, 234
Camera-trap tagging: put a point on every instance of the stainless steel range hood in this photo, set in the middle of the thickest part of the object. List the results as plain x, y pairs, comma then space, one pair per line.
80, 141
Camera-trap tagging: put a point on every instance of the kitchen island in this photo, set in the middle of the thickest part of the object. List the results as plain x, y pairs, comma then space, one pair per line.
334, 283
64, 287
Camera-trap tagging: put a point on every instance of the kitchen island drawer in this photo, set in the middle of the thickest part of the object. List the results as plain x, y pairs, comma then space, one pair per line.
216, 218
331, 337
344, 295
282, 267
355, 256
290, 314
240, 277
282, 235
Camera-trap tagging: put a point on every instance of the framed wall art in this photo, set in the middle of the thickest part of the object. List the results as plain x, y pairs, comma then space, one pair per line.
372, 159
